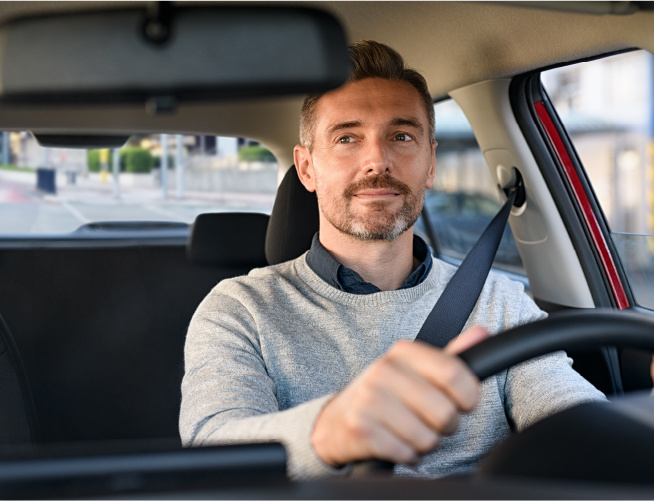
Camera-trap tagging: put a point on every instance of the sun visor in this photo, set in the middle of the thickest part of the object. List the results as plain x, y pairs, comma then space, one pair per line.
168, 53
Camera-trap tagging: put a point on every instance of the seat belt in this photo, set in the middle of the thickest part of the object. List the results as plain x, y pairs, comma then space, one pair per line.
451, 311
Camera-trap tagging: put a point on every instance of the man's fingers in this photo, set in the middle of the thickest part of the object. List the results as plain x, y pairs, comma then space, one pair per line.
447, 373
467, 339
399, 407
385, 444
425, 402
407, 427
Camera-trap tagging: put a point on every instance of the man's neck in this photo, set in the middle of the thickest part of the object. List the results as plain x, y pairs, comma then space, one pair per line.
384, 264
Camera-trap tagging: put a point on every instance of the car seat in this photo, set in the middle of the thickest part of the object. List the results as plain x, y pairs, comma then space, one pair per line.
228, 239
293, 221
17, 412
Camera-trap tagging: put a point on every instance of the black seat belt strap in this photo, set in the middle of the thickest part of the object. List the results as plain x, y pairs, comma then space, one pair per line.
451, 311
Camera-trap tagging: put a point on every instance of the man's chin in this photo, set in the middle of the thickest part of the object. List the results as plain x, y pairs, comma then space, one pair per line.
376, 232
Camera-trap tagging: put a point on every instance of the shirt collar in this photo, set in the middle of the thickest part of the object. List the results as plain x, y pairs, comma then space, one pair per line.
335, 274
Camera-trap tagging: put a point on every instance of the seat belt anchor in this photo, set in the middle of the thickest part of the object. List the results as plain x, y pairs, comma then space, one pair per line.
515, 185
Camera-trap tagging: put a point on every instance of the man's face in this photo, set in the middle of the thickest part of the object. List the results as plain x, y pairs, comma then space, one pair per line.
372, 158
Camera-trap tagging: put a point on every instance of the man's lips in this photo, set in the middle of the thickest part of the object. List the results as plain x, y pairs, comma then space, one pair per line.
376, 193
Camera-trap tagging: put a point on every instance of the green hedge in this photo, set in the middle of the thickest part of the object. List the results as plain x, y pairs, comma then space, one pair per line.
255, 153
18, 168
93, 160
137, 159
132, 159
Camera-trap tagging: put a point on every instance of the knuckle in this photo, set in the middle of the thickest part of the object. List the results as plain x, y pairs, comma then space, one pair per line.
380, 369
401, 348
357, 425
450, 413
407, 456
427, 441
450, 420
452, 372
369, 399
398, 453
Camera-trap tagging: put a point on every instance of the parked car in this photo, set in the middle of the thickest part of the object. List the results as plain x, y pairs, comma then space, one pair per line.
98, 315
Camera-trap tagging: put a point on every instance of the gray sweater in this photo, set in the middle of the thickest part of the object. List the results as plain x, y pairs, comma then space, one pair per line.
265, 352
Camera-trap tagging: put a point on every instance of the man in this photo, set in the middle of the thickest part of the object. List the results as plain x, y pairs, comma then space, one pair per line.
317, 352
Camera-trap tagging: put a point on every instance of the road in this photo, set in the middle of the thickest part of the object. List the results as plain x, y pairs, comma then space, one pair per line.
24, 209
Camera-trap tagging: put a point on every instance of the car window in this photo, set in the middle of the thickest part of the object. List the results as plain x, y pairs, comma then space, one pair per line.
156, 178
607, 108
464, 197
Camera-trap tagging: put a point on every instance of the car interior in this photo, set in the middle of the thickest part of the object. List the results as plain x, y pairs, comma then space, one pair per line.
93, 321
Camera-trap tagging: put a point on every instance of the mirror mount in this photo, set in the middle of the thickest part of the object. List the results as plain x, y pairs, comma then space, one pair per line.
158, 24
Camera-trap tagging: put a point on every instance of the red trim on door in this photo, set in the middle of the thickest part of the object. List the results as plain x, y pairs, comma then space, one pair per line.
584, 204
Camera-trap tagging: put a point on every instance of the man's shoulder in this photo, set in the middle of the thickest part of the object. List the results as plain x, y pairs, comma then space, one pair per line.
262, 277
259, 289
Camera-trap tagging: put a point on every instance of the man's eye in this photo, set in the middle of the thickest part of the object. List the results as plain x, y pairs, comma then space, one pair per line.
402, 137
345, 140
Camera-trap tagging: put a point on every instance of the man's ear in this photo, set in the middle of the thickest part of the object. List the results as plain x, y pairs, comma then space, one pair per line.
304, 166
432, 166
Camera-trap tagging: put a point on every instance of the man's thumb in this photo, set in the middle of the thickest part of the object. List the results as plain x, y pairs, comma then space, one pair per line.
466, 339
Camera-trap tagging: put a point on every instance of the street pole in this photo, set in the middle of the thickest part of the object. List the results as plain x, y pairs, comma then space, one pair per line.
164, 165
179, 167
116, 169
5, 148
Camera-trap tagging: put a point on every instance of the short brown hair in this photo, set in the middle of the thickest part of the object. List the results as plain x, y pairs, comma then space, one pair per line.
371, 59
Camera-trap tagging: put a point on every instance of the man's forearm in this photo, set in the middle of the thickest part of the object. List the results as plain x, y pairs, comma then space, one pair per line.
291, 427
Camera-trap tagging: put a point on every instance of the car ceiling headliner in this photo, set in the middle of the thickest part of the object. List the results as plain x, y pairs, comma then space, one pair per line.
453, 43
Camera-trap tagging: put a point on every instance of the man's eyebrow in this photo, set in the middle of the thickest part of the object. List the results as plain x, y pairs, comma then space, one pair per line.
399, 121
411, 122
344, 125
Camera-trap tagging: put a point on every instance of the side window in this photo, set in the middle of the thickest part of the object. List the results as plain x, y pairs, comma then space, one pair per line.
607, 108
464, 197
156, 178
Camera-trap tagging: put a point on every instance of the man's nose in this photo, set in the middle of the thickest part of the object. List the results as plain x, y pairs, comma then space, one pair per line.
376, 159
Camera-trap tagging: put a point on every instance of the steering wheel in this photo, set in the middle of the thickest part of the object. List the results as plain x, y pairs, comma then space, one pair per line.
588, 442
567, 330
522, 454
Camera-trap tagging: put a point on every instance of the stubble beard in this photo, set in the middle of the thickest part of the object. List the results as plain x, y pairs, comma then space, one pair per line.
380, 221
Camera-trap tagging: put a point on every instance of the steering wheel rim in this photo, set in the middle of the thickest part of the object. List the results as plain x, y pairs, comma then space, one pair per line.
568, 330
617, 447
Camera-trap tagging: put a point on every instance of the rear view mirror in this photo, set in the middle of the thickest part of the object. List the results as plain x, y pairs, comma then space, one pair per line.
170, 54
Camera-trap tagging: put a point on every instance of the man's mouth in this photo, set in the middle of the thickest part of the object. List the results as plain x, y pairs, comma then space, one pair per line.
372, 193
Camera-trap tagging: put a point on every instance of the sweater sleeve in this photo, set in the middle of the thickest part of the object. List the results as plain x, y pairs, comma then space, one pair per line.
545, 385
228, 396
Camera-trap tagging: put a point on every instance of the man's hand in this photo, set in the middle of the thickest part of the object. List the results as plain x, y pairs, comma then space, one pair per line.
401, 405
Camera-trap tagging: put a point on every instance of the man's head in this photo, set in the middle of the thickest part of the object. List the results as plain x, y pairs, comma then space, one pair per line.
369, 59
371, 153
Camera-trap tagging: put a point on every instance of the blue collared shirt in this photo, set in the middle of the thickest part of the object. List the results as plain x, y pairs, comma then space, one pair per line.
334, 273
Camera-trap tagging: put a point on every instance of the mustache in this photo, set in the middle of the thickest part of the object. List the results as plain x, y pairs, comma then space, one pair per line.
381, 181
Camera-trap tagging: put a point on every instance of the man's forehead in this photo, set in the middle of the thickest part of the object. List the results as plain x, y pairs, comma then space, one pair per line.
371, 100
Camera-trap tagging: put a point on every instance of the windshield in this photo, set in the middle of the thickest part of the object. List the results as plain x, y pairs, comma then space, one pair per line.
155, 178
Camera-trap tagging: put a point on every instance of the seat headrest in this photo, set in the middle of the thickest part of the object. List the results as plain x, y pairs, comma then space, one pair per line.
293, 222
228, 239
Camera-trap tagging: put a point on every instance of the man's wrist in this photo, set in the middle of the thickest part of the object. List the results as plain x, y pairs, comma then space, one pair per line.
321, 439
